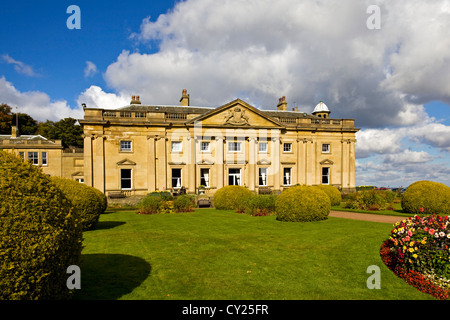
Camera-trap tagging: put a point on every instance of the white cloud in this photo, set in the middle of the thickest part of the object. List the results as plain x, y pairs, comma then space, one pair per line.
95, 97
90, 69
35, 103
19, 66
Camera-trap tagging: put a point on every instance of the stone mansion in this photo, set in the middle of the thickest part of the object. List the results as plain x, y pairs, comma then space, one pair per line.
141, 148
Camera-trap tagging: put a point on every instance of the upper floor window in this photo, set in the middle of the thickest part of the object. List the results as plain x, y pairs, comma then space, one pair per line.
262, 147
125, 145
204, 146
177, 146
234, 146
287, 147
326, 148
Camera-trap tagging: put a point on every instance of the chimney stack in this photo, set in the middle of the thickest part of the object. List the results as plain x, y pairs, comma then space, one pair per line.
184, 101
135, 100
282, 104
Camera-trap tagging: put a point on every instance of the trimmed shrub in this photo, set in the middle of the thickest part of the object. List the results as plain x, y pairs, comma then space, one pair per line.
149, 205
231, 198
84, 199
184, 203
433, 197
40, 234
260, 205
103, 199
302, 203
332, 192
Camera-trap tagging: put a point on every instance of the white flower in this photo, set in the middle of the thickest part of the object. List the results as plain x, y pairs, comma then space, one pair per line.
441, 234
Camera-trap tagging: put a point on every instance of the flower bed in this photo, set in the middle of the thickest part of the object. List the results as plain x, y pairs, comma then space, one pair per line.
418, 252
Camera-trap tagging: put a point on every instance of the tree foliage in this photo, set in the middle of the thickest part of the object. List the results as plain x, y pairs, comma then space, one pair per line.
66, 130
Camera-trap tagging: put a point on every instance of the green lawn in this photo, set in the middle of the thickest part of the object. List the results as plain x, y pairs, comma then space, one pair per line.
211, 254
398, 211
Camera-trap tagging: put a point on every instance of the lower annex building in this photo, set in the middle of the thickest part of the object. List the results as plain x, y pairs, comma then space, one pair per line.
141, 148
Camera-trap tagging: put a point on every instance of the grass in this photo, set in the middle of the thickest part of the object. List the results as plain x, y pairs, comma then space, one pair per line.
213, 255
398, 211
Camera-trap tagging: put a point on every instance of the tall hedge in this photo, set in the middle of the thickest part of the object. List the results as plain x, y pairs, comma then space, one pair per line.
332, 192
85, 200
40, 235
433, 197
231, 198
302, 204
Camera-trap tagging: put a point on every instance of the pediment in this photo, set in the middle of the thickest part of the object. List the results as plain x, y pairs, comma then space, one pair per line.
264, 162
326, 161
125, 162
78, 174
236, 114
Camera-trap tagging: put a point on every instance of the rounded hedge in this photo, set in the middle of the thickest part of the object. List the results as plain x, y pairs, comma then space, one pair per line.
40, 234
433, 197
84, 199
302, 204
332, 192
231, 198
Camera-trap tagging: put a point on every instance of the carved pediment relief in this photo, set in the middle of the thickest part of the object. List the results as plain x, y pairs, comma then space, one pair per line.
236, 114
264, 162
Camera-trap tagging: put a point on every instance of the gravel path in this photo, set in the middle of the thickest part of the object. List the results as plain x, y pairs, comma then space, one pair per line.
366, 216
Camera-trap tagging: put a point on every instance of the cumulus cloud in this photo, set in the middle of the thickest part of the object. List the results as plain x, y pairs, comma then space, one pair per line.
95, 97
19, 66
307, 51
37, 104
90, 69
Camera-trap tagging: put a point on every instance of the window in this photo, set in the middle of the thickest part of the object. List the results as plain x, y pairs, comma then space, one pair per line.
125, 179
287, 176
125, 145
262, 147
204, 146
287, 147
204, 177
176, 178
263, 177
234, 177
33, 158
325, 148
80, 180
177, 146
44, 158
234, 146
325, 175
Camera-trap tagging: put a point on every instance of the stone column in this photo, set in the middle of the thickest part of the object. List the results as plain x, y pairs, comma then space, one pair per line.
219, 162
88, 173
251, 163
151, 164
99, 163
276, 162
191, 164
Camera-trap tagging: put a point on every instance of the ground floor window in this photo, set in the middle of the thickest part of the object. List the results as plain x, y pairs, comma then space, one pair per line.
263, 177
287, 176
204, 177
234, 177
125, 179
325, 175
44, 158
176, 178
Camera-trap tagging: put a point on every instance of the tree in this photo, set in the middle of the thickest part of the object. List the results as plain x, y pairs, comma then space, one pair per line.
66, 130
5, 118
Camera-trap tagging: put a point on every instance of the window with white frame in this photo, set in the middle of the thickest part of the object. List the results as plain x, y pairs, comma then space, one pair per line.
125, 179
325, 148
33, 157
262, 147
176, 178
325, 175
177, 146
287, 147
44, 158
287, 176
234, 146
204, 146
204, 177
262, 177
125, 145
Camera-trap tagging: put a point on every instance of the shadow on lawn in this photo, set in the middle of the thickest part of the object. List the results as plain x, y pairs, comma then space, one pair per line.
110, 276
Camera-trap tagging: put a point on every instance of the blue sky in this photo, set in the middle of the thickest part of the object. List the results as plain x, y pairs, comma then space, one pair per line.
395, 80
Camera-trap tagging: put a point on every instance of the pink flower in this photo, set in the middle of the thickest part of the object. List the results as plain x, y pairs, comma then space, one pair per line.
431, 231
421, 209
